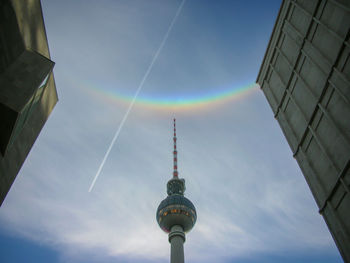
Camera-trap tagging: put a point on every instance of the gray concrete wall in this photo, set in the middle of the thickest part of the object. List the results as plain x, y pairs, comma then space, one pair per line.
24, 35
305, 76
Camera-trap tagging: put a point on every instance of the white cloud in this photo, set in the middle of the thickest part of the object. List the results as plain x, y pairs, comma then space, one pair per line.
245, 205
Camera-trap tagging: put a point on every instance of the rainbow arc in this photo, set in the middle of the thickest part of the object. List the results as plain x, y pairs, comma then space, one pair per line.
180, 103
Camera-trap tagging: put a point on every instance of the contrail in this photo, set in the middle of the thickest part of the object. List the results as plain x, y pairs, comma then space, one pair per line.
136, 94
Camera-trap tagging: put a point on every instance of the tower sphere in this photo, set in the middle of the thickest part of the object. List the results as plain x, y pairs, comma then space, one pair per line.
176, 210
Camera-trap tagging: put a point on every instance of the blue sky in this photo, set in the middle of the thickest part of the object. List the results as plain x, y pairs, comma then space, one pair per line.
252, 201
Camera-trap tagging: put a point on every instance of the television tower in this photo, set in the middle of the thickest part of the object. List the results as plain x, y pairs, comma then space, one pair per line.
176, 214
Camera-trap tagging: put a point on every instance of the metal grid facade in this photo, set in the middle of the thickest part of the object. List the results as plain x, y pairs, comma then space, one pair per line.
305, 76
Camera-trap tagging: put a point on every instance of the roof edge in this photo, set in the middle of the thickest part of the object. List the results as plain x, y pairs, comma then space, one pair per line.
270, 40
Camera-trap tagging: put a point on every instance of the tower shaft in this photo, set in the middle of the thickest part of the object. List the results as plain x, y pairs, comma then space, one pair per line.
177, 239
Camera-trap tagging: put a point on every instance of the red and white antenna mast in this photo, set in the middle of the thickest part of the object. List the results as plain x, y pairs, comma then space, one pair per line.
175, 173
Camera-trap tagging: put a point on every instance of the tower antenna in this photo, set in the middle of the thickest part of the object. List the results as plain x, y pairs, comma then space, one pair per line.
175, 172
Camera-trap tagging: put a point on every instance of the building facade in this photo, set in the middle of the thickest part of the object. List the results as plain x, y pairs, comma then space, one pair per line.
305, 76
27, 87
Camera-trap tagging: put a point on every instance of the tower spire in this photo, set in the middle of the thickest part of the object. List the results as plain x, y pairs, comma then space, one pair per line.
175, 172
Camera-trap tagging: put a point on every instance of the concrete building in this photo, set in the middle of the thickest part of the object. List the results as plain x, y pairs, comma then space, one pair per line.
176, 215
27, 87
305, 76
